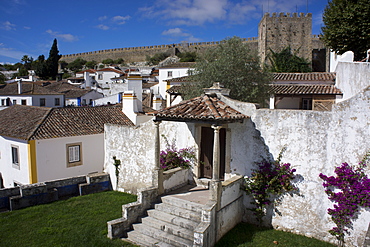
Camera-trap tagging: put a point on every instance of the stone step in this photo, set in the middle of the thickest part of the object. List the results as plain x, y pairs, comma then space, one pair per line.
169, 228
141, 239
172, 200
177, 211
162, 236
173, 219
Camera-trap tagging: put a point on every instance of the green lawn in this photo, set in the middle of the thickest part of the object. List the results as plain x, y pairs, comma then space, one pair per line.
82, 221
78, 221
246, 235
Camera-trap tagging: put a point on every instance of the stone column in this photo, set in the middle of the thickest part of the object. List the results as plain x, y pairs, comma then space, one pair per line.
216, 185
158, 174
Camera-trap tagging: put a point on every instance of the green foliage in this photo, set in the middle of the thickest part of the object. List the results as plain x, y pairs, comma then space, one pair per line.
78, 221
285, 61
48, 69
268, 183
107, 61
187, 56
91, 64
2, 78
77, 64
235, 66
347, 26
247, 235
119, 61
27, 62
158, 57
41, 67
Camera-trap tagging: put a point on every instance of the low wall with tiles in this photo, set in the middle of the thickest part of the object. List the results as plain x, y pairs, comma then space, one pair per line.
50, 191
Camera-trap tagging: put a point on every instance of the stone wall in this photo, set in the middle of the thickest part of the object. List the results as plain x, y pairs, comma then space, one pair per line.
50, 191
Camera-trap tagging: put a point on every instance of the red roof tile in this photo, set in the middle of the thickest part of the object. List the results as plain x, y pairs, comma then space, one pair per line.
304, 89
204, 108
314, 76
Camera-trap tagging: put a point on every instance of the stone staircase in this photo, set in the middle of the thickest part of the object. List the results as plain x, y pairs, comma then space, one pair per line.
170, 223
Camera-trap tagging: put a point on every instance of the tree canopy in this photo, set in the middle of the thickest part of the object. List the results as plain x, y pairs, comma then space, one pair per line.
77, 64
347, 26
235, 66
48, 68
285, 61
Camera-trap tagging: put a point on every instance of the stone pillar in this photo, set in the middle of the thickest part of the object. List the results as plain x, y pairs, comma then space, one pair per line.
158, 173
216, 186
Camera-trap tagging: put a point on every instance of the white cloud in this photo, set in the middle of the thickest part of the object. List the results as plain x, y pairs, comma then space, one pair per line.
102, 27
120, 20
66, 37
10, 52
178, 32
7, 26
102, 18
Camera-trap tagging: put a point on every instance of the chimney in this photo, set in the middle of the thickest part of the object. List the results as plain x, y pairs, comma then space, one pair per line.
20, 86
87, 79
135, 84
157, 102
129, 105
217, 88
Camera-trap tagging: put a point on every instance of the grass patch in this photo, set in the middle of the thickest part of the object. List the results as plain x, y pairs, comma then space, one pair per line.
78, 221
247, 235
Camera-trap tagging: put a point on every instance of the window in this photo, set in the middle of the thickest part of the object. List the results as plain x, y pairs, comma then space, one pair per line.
42, 101
307, 104
83, 101
100, 76
57, 101
3, 102
24, 102
169, 73
15, 157
14, 101
74, 151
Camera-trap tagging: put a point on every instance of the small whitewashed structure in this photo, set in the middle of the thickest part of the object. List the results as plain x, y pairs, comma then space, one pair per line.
39, 144
31, 94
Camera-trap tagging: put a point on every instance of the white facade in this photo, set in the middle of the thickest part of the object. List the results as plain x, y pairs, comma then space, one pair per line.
56, 100
169, 73
43, 160
104, 76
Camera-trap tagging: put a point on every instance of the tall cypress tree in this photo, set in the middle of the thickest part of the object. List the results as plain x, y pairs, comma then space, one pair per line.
52, 61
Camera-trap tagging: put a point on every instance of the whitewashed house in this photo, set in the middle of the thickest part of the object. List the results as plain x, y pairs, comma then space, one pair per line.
171, 71
75, 96
106, 75
39, 143
31, 94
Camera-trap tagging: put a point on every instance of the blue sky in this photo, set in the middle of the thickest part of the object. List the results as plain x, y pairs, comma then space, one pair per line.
28, 27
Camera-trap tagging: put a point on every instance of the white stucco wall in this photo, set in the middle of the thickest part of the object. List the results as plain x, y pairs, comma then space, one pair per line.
34, 100
52, 157
163, 75
352, 78
9, 173
134, 146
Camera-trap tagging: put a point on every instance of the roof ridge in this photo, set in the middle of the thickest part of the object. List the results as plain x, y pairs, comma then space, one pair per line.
39, 125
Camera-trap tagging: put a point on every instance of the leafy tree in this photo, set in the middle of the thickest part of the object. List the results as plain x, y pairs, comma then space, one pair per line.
119, 61
187, 56
91, 64
285, 61
27, 61
41, 67
107, 61
235, 66
158, 57
77, 64
2, 78
347, 26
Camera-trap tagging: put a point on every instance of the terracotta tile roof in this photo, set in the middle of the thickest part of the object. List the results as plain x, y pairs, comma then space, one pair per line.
20, 122
314, 76
204, 108
69, 90
177, 89
179, 65
87, 70
35, 123
27, 89
149, 84
112, 70
304, 89
179, 79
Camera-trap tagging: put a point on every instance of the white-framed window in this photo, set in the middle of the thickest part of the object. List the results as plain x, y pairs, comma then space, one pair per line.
100, 76
15, 156
14, 101
74, 154
2, 102
169, 74
42, 102
24, 102
57, 101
